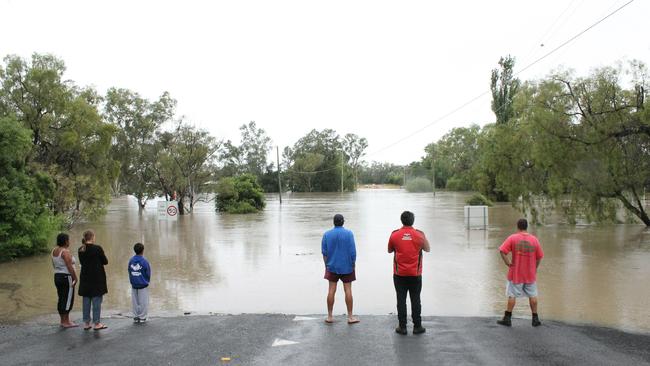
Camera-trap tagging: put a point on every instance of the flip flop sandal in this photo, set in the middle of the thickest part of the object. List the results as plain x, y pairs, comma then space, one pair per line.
104, 326
354, 321
88, 328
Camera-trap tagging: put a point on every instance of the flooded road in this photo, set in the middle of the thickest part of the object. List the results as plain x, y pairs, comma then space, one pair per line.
271, 263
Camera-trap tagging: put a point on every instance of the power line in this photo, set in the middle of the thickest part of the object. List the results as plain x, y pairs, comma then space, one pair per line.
515, 74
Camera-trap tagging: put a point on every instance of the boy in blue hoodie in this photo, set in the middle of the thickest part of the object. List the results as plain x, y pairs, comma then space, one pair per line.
139, 275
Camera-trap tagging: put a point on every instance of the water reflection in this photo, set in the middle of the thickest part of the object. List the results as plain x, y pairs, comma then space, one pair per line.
271, 262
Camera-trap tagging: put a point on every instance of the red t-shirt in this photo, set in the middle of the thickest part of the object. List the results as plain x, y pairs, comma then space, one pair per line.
407, 243
525, 252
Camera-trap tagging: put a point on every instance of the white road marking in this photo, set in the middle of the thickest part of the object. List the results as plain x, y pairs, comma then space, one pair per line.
302, 318
282, 342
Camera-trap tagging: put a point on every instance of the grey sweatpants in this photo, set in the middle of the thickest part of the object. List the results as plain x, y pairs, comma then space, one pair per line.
140, 299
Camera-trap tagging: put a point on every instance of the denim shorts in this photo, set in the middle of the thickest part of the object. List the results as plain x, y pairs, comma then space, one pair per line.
521, 289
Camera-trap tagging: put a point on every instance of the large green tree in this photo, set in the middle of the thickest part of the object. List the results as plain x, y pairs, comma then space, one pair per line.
185, 165
581, 143
137, 120
315, 163
70, 140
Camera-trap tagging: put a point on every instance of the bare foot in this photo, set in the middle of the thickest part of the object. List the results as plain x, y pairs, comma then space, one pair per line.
100, 326
329, 320
353, 320
69, 325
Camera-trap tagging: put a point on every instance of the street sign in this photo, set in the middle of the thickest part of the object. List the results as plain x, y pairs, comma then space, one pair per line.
167, 210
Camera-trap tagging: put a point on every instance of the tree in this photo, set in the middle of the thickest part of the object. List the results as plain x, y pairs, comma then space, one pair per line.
455, 158
504, 87
137, 120
70, 140
582, 144
354, 147
185, 164
238, 195
26, 223
320, 153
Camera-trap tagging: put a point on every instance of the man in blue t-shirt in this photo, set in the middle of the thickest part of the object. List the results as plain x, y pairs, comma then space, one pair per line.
339, 255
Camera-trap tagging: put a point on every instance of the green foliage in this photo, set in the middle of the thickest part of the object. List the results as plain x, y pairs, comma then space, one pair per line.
419, 184
504, 87
455, 157
582, 144
26, 223
381, 173
315, 162
478, 199
137, 121
184, 164
70, 141
239, 195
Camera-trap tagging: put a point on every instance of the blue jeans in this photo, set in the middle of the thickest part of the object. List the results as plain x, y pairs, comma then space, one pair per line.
97, 308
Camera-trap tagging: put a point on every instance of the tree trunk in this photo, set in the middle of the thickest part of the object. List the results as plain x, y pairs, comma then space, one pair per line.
637, 211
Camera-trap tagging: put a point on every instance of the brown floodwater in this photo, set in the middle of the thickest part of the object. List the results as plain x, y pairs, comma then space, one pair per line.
270, 262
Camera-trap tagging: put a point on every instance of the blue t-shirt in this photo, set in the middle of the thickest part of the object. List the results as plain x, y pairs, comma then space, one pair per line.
338, 246
139, 272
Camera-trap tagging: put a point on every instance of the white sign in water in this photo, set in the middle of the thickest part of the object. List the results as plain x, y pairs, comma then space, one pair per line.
167, 210
476, 217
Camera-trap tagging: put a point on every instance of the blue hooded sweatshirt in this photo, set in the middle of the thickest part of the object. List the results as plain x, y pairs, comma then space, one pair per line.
139, 272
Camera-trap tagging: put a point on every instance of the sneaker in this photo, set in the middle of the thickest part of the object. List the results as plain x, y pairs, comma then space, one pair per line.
400, 330
418, 329
143, 320
136, 320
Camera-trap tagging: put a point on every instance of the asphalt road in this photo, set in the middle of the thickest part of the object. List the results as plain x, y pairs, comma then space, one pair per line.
266, 340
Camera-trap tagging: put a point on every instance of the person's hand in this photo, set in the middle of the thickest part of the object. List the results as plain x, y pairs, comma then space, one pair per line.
74, 282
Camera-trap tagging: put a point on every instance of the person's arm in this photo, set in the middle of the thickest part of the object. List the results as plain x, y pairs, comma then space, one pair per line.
353, 252
102, 256
67, 258
537, 263
391, 247
323, 250
147, 269
425, 244
505, 258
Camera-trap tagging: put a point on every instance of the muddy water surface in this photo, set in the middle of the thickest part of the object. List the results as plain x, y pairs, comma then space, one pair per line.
271, 261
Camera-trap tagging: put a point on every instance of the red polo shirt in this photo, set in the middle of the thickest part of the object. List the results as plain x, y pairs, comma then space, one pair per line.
407, 243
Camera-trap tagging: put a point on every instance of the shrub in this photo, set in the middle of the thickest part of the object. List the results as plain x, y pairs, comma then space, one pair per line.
479, 200
419, 184
239, 195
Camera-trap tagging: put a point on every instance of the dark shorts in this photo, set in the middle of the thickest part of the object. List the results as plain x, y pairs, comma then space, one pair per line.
335, 277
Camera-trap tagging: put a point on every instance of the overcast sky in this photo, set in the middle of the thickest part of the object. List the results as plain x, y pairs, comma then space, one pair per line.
380, 69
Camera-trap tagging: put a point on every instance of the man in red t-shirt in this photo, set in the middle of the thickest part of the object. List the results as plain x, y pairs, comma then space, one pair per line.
408, 243
522, 270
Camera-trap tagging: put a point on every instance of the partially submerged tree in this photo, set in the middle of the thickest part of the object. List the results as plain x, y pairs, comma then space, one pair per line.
137, 121
583, 143
239, 195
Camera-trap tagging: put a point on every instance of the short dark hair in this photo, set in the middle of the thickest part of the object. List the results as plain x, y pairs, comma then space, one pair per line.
62, 239
338, 220
408, 218
522, 224
138, 248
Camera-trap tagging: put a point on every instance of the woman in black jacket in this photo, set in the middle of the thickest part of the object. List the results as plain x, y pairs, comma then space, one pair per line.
92, 281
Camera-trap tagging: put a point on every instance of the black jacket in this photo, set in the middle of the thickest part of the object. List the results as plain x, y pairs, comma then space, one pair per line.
92, 280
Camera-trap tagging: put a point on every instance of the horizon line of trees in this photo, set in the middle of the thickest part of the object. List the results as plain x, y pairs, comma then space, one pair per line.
580, 145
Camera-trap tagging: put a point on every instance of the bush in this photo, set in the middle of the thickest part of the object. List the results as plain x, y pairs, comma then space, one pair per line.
479, 200
419, 184
239, 195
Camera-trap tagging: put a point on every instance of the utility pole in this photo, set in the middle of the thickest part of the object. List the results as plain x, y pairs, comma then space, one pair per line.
277, 150
341, 171
404, 176
433, 170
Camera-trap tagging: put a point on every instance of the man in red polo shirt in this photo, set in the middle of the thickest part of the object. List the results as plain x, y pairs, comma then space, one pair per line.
408, 243
522, 270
